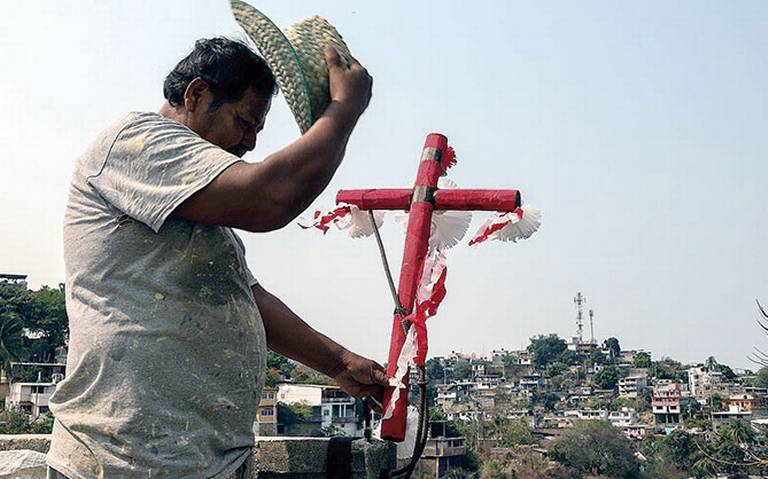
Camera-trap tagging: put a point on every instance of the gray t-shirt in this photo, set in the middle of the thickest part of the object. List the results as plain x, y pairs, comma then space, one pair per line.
167, 348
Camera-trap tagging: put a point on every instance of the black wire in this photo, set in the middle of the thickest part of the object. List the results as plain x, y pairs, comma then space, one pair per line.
421, 434
398, 307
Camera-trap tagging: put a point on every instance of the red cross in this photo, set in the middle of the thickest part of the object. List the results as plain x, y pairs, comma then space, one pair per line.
421, 201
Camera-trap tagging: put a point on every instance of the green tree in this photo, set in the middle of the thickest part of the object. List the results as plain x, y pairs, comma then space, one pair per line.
613, 347
14, 301
462, 370
546, 349
692, 409
294, 413
761, 380
517, 432
434, 370
14, 421
680, 448
556, 369
727, 372
715, 402
711, 363
43, 425
607, 378
572, 358
642, 360
549, 400
596, 448
47, 316
278, 369
597, 357
497, 469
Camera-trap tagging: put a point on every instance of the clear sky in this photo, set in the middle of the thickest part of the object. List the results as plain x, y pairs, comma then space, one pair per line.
638, 127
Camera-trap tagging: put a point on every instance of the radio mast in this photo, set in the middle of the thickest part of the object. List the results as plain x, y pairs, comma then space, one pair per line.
580, 300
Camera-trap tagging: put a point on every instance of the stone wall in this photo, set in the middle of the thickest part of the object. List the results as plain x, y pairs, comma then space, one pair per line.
282, 457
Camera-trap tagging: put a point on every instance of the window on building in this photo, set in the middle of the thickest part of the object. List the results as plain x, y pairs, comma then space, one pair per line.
38, 389
267, 411
267, 395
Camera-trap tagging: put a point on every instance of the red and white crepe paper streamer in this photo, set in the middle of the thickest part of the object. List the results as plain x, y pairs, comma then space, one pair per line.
357, 223
511, 226
448, 227
429, 295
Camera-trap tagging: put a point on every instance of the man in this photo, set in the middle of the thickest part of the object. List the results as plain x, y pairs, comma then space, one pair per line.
168, 328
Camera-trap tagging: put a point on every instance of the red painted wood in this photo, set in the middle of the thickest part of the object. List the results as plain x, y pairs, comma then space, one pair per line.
376, 199
465, 200
478, 200
416, 242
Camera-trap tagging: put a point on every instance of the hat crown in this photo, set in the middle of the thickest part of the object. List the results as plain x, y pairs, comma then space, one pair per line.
296, 56
309, 37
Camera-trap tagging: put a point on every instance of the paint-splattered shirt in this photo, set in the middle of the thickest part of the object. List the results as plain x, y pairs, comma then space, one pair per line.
167, 347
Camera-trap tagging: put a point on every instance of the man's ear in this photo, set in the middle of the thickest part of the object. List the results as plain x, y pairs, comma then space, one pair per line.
195, 93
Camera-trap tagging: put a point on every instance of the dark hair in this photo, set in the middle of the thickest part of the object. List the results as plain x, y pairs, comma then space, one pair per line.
229, 67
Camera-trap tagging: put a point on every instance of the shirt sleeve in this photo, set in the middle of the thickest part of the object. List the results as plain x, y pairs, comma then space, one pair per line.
154, 165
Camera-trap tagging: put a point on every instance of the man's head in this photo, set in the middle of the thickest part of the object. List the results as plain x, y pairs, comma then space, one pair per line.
222, 91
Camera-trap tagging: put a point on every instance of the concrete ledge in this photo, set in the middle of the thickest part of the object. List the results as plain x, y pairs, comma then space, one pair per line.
282, 457
30, 442
305, 458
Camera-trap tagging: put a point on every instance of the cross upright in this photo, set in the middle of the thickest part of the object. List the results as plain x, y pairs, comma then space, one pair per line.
421, 201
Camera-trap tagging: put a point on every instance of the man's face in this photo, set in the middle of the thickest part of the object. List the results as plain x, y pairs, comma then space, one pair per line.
232, 126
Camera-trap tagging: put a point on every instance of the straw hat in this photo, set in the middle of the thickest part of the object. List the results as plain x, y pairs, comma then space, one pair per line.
296, 57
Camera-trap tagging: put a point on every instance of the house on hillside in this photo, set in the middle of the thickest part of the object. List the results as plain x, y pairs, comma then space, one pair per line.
265, 423
333, 411
666, 403
30, 386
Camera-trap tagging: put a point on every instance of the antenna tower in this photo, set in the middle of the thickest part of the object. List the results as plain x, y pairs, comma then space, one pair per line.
591, 327
580, 300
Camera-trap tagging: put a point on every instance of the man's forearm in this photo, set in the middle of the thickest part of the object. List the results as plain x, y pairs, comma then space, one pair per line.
303, 169
289, 335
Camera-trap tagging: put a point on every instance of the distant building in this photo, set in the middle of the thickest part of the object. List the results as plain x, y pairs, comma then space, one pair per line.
626, 416
740, 402
449, 395
19, 280
574, 343
633, 386
703, 383
266, 415
498, 356
734, 411
441, 453
530, 383
333, 411
587, 414
32, 398
31, 385
666, 403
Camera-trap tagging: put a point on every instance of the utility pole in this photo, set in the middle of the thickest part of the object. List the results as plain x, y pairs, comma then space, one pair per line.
592, 327
580, 300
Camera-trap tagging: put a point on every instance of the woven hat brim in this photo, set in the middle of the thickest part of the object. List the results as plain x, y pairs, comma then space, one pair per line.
281, 58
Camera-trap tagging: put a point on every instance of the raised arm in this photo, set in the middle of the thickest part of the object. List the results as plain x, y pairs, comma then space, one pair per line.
266, 196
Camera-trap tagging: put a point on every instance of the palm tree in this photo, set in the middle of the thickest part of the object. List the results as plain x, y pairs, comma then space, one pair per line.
737, 431
10, 339
711, 364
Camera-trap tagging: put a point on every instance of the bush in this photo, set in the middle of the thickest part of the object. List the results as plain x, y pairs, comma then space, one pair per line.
596, 448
